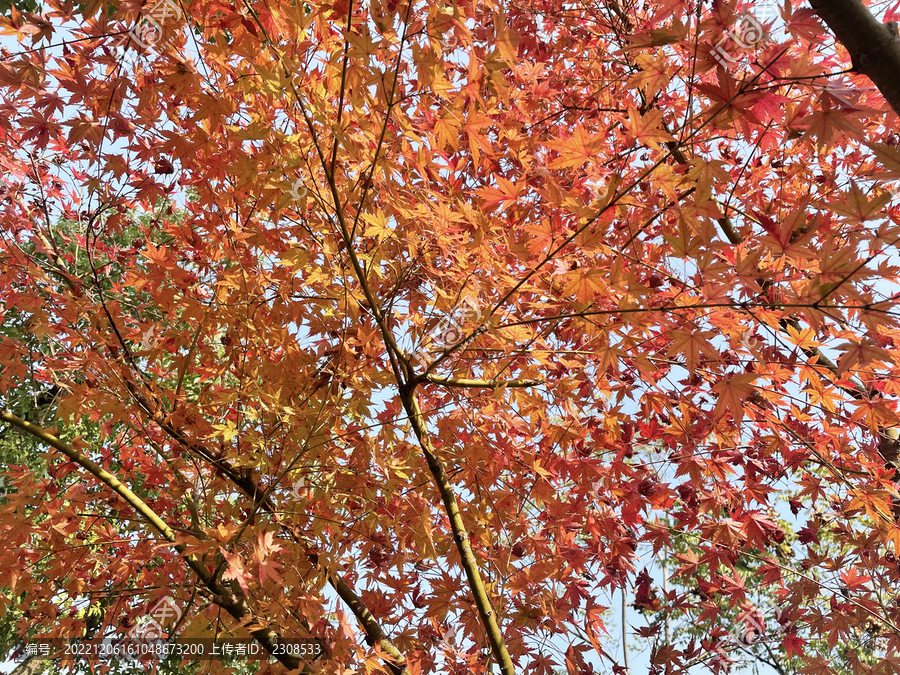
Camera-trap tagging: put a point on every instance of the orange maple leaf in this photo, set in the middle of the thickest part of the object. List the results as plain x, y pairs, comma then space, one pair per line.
646, 128
574, 151
732, 392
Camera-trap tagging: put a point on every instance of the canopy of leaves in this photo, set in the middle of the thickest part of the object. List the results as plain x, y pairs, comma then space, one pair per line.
425, 326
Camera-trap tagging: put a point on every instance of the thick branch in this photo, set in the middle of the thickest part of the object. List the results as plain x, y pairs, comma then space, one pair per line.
470, 565
374, 633
231, 603
874, 47
482, 384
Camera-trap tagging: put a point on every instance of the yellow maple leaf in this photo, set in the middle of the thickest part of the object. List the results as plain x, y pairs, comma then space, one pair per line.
584, 283
804, 338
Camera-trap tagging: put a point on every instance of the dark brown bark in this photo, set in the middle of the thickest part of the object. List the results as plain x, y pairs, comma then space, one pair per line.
874, 47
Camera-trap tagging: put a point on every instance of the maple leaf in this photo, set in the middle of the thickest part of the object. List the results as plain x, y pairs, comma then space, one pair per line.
860, 353
808, 535
758, 526
654, 74
646, 128
733, 391
804, 338
793, 645
889, 156
542, 238
268, 569
707, 174
817, 665
585, 283
575, 663
857, 207
691, 344
853, 580
236, 571
39, 26
580, 147
691, 562
729, 532
504, 195
657, 37
84, 128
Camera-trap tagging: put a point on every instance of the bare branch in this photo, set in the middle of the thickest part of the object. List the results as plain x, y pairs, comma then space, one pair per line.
482, 384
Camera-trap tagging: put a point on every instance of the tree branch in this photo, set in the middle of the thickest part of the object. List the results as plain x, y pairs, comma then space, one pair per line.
874, 47
470, 565
482, 384
374, 633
